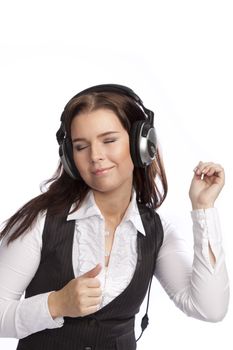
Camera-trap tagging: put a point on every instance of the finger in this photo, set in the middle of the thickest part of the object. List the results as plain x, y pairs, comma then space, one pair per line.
204, 168
93, 283
93, 272
201, 165
93, 301
94, 292
204, 164
212, 169
89, 302
86, 300
90, 310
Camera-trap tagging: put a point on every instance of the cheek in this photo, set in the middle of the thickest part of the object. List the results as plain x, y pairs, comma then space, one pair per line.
79, 161
130, 164
124, 157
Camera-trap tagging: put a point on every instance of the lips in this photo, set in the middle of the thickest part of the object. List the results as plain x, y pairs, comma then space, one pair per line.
101, 171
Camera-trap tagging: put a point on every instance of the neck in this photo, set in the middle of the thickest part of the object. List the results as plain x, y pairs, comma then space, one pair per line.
113, 205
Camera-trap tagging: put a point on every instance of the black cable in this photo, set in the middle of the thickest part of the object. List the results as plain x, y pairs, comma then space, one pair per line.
145, 319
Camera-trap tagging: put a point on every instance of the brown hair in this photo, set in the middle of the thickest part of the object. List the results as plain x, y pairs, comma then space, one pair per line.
63, 191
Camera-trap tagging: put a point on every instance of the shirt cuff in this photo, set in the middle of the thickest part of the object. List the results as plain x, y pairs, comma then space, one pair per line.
32, 315
206, 229
54, 322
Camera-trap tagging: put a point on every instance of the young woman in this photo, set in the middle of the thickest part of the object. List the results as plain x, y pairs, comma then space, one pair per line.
86, 250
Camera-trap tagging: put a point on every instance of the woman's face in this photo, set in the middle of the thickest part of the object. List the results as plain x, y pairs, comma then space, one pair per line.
101, 151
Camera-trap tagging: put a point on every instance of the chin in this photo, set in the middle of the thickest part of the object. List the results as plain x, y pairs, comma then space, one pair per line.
103, 189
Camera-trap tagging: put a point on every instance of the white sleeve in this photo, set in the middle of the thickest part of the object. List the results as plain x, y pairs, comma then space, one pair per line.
19, 262
196, 287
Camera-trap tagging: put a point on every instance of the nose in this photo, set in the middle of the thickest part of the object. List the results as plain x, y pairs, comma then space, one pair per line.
96, 153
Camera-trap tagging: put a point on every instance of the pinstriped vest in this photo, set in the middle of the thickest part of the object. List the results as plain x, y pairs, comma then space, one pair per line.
110, 328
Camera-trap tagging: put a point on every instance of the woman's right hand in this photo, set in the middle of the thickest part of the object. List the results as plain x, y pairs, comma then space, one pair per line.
80, 297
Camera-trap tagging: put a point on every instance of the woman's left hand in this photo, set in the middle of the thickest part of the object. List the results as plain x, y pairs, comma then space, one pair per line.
207, 183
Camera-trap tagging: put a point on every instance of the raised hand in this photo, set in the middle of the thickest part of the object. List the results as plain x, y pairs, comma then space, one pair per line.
207, 183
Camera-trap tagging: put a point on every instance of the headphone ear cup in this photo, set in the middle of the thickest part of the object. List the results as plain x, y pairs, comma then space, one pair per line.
66, 156
143, 143
134, 142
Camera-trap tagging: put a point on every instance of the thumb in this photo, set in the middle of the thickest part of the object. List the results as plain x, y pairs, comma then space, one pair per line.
93, 272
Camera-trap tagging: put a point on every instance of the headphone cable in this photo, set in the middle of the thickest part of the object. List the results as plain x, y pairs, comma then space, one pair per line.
145, 319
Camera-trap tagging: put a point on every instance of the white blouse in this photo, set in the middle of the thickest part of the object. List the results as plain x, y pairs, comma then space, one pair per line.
197, 288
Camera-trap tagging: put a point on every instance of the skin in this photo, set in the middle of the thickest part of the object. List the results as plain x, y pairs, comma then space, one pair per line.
94, 150
207, 183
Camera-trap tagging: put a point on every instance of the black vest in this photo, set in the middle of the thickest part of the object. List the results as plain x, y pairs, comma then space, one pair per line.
110, 328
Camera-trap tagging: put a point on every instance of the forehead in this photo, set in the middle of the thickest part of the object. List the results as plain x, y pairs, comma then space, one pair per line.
98, 121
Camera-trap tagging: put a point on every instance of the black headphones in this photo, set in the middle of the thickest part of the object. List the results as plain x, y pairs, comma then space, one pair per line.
143, 140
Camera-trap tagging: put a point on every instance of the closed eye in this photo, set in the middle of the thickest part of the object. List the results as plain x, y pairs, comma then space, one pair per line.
110, 140
80, 147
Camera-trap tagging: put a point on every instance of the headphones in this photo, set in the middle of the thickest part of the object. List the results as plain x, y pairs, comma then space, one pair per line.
143, 140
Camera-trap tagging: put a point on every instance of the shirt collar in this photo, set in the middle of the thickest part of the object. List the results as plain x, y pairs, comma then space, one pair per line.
89, 208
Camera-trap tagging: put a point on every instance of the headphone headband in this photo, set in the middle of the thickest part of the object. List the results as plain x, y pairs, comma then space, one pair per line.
112, 88
124, 90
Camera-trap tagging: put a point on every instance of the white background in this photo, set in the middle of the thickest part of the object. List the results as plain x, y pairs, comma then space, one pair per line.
177, 56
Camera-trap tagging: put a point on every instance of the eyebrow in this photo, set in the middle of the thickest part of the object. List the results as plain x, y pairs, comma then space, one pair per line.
99, 136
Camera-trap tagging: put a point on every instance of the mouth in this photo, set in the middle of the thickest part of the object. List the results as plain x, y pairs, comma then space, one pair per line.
103, 171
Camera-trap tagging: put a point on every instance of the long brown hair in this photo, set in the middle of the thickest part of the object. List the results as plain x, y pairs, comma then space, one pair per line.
63, 191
